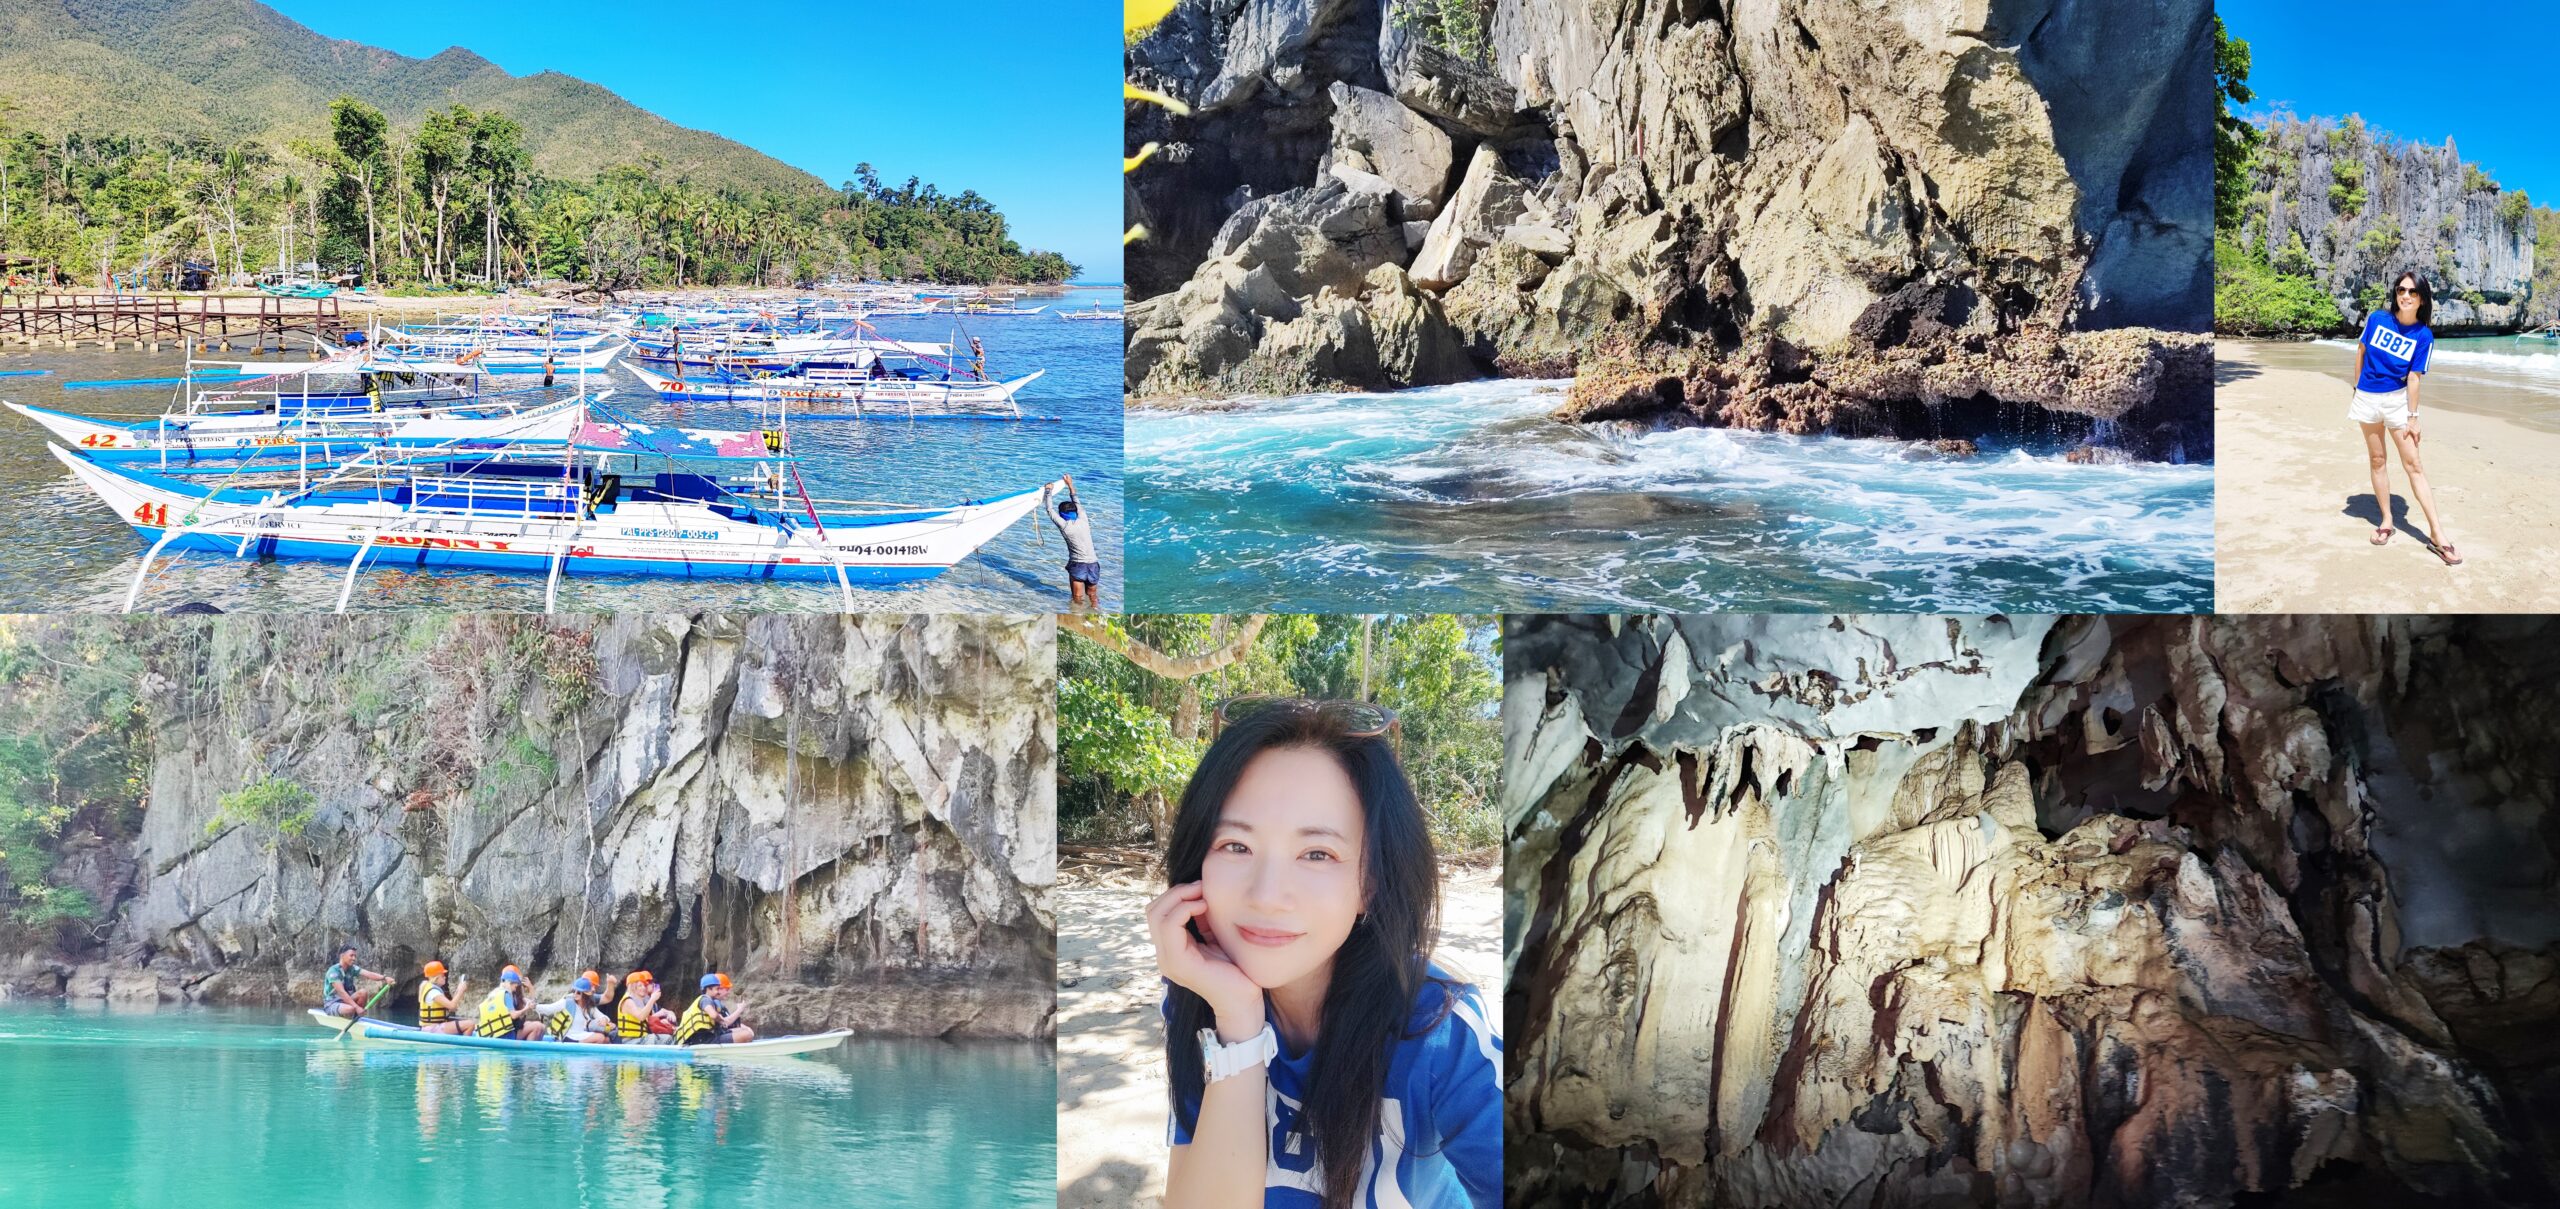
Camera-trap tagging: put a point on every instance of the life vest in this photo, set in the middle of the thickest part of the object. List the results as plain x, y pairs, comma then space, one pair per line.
497, 1016
630, 1021
697, 1021
590, 1018
434, 1007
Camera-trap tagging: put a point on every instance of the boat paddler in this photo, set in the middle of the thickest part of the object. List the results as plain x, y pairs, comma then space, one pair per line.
437, 1002
712, 1020
578, 1016
340, 983
508, 1011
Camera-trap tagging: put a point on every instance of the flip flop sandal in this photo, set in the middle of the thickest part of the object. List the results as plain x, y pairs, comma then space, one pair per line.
2451, 554
2381, 535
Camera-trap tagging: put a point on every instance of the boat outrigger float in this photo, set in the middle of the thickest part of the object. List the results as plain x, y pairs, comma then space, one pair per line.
370, 1029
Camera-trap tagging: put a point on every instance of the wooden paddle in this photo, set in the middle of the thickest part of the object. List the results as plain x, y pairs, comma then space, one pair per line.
363, 1012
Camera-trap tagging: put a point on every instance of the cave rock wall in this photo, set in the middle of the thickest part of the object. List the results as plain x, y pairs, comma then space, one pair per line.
2030, 911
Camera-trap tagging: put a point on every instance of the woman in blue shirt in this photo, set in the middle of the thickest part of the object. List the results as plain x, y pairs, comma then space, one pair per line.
1318, 1059
2391, 356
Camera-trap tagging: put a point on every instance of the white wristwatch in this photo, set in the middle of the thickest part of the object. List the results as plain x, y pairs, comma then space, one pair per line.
1226, 1060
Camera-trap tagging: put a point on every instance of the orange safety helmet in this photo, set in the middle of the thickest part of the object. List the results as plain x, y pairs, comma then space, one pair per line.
593, 978
435, 969
638, 976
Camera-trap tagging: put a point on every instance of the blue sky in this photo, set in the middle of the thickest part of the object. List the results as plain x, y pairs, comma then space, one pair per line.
2482, 77
1017, 100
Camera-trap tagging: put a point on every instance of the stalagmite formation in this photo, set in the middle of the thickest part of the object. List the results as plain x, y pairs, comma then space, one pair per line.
2031, 912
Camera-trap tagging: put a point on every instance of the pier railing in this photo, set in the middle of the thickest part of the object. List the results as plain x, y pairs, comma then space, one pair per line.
261, 321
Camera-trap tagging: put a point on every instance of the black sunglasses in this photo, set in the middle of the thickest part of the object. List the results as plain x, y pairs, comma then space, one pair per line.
1356, 719
2406, 289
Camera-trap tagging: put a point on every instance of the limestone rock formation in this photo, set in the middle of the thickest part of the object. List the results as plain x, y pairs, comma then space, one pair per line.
1697, 178
1306, 290
2031, 912
1375, 133
853, 815
2352, 209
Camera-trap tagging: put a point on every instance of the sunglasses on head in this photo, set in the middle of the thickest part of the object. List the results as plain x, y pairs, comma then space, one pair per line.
1356, 719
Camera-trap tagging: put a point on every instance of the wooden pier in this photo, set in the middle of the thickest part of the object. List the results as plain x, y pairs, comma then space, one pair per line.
148, 321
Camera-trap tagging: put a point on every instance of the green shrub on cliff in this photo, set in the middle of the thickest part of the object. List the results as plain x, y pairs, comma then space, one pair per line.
2250, 298
2294, 259
275, 805
2380, 242
2514, 208
2346, 187
73, 761
2476, 181
1456, 26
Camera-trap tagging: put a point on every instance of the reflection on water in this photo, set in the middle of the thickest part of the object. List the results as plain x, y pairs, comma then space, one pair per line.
1469, 498
221, 1108
61, 550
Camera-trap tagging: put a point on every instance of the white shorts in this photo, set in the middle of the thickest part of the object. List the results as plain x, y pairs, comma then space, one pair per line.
2390, 409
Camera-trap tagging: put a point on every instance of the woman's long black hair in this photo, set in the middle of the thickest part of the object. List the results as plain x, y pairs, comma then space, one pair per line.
1380, 968
2426, 297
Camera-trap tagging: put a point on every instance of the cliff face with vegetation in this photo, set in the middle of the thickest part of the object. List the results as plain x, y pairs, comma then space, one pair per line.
854, 816
1804, 215
2351, 209
2032, 912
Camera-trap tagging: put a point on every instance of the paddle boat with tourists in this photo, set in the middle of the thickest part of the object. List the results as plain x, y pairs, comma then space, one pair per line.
369, 1029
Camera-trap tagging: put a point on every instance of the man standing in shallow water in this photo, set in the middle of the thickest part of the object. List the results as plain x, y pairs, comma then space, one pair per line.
1084, 570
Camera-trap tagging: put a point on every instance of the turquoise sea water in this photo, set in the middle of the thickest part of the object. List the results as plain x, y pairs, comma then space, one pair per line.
1467, 498
234, 1109
61, 550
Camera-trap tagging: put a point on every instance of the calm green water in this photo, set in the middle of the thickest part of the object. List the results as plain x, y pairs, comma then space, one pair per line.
216, 1108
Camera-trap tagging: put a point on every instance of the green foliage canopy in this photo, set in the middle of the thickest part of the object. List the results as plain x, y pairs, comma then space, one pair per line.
1129, 739
458, 199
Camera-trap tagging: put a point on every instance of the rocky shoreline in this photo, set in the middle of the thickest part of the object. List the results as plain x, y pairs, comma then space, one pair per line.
1796, 219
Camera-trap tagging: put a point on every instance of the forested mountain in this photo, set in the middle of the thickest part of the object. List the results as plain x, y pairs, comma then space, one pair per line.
227, 70
137, 134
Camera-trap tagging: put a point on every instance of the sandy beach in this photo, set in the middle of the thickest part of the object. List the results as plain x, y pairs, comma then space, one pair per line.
2294, 509
1111, 1091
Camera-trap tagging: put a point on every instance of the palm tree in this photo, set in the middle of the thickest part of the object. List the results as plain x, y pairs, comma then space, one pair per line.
289, 191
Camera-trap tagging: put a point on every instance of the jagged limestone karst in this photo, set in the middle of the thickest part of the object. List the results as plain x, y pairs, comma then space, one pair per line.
2017, 911
854, 816
2351, 209
1781, 214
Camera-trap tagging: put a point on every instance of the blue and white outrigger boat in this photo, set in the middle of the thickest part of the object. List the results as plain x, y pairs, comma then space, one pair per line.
502, 347
618, 497
297, 410
183, 444
854, 393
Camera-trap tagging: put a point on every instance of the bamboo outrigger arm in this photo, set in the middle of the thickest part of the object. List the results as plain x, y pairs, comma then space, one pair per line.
133, 595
